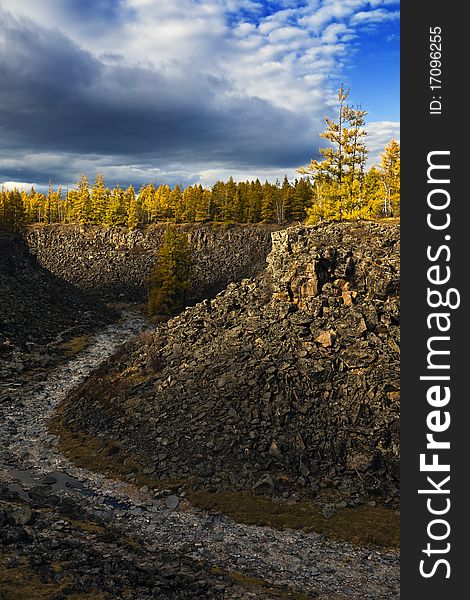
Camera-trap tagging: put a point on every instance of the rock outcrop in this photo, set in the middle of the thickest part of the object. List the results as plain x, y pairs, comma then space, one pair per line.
114, 263
288, 380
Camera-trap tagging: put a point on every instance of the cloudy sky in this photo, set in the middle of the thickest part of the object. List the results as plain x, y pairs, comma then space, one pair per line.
189, 90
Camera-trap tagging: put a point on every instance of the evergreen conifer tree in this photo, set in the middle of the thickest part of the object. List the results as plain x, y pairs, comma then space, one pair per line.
82, 203
390, 177
99, 201
170, 277
339, 176
12, 211
133, 212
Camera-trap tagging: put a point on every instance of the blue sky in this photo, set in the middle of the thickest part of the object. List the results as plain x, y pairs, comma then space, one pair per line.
374, 76
187, 91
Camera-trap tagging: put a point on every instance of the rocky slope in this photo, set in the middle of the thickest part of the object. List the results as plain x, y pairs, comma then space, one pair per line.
68, 532
114, 263
37, 309
289, 380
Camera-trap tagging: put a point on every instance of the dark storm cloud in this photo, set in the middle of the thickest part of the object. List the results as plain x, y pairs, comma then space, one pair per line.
56, 97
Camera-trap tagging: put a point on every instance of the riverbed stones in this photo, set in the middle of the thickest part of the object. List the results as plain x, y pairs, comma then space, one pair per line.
181, 546
47, 551
48, 480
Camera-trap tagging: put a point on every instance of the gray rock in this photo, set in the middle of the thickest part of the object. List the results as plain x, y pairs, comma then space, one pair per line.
265, 485
48, 480
172, 502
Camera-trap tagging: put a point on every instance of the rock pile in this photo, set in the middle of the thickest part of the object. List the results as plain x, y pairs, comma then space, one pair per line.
289, 380
37, 309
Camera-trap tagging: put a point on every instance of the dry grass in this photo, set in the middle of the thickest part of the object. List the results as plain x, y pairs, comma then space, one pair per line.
87, 526
362, 525
74, 346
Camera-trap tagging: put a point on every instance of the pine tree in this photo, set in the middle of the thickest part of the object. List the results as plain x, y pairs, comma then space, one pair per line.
116, 214
175, 203
341, 172
133, 209
12, 211
48, 203
325, 203
170, 278
71, 200
255, 201
53, 206
58, 215
284, 202
31, 204
204, 206
147, 196
218, 200
269, 202
163, 203
390, 177
301, 199
374, 193
82, 202
240, 203
3, 210
189, 203
228, 206
355, 159
99, 201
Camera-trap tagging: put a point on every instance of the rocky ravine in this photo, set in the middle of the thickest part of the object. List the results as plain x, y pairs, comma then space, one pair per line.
114, 263
63, 535
38, 312
287, 380
66, 532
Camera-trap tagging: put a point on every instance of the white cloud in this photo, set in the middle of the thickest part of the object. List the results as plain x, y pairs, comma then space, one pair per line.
379, 133
290, 59
192, 36
333, 32
379, 15
331, 10
16, 185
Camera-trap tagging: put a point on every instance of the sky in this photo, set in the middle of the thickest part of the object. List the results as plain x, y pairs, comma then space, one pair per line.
189, 91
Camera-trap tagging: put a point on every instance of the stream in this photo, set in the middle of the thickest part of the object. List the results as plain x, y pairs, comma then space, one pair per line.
29, 457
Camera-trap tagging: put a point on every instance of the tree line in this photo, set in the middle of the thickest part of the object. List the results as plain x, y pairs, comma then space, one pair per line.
339, 186
243, 202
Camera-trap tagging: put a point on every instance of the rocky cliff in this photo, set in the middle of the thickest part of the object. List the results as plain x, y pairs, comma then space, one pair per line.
288, 380
114, 263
